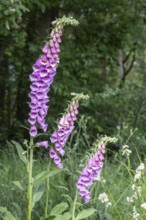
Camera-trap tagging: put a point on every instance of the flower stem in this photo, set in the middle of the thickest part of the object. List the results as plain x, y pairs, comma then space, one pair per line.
47, 191
74, 206
30, 185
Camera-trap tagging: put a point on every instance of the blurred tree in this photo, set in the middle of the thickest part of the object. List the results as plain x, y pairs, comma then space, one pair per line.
102, 51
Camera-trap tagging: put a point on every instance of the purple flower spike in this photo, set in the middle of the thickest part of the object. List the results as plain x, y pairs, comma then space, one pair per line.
33, 131
45, 48
41, 79
65, 127
90, 172
43, 144
56, 158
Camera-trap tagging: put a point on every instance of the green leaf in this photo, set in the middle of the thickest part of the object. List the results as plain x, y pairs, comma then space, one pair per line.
44, 174
67, 198
41, 176
65, 216
53, 172
8, 215
20, 152
18, 208
18, 184
38, 193
58, 217
85, 213
59, 209
47, 218
108, 216
63, 188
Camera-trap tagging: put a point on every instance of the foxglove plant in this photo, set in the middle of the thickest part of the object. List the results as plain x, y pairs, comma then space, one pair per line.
41, 78
90, 172
60, 136
65, 126
92, 169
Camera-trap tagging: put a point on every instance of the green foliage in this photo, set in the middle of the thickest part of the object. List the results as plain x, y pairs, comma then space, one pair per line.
44, 174
59, 209
116, 180
11, 12
89, 64
38, 192
85, 213
7, 214
20, 152
89, 58
18, 184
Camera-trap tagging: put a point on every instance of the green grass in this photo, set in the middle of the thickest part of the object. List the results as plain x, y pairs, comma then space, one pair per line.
117, 173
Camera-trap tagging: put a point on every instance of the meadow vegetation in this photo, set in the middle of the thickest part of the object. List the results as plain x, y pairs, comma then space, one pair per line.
87, 161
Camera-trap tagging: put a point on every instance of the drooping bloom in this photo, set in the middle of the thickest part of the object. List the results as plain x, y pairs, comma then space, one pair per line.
43, 144
56, 158
90, 173
41, 78
65, 127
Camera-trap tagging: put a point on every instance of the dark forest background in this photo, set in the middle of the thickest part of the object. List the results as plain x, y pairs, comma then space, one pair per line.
105, 57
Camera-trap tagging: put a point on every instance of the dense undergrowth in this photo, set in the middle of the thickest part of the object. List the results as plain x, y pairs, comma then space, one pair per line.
116, 180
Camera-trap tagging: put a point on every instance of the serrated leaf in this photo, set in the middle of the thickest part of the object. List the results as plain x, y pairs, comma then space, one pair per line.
59, 209
18, 184
20, 152
38, 193
85, 213
8, 215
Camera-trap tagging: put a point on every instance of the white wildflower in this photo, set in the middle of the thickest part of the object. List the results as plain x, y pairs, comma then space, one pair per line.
138, 189
135, 196
125, 147
137, 176
126, 151
140, 168
133, 186
143, 205
103, 197
135, 214
129, 199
